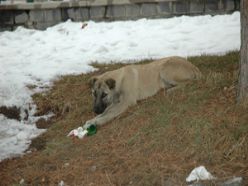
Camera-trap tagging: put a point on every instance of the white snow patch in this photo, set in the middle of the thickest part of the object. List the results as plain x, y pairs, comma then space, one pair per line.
15, 137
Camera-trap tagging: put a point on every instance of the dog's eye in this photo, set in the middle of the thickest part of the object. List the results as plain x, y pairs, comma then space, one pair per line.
104, 95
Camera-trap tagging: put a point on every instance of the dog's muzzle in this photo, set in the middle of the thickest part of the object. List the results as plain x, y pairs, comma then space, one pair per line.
99, 109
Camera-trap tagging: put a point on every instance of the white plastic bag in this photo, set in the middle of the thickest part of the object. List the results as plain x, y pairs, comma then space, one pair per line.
199, 173
79, 132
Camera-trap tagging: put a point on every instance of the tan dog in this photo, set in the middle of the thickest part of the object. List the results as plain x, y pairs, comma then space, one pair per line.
116, 90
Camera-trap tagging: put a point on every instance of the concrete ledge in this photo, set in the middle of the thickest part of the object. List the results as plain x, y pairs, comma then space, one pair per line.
181, 7
211, 6
116, 12
21, 17
43, 15
59, 4
196, 6
97, 13
149, 9
133, 11
164, 8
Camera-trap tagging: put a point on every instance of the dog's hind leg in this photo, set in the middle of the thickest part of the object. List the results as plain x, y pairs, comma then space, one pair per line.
176, 87
170, 85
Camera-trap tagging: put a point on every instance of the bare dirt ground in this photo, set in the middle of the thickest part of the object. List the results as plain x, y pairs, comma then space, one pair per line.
157, 142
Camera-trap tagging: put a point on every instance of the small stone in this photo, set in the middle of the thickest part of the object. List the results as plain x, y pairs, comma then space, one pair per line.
66, 164
22, 181
43, 123
61, 183
236, 181
93, 168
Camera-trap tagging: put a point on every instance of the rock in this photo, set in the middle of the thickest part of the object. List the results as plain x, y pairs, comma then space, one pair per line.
43, 123
236, 181
61, 183
22, 182
93, 168
38, 143
11, 112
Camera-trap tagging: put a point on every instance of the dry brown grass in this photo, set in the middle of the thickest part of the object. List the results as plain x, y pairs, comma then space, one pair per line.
157, 142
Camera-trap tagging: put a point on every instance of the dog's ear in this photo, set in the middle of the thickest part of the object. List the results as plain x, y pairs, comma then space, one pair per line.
92, 81
111, 83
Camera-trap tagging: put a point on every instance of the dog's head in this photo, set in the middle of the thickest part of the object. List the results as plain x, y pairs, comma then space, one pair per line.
103, 92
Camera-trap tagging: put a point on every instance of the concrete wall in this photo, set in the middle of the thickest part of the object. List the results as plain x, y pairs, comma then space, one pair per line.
42, 15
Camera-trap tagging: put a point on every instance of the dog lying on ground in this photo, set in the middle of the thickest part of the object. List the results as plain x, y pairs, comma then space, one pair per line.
113, 92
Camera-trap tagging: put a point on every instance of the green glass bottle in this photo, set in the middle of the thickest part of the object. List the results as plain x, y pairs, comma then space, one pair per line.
91, 130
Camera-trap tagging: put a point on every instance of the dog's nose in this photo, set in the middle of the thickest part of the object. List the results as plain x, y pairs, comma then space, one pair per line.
98, 110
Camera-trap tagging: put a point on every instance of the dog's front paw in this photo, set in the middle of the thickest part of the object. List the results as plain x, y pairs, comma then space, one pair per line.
88, 124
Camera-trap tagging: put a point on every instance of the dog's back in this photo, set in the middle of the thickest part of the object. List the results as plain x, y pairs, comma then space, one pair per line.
144, 80
175, 70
